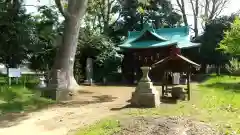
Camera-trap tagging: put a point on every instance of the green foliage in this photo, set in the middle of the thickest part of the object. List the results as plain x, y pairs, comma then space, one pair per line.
103, 127
234, 66
231, 41
17, 33
158, 12
213, 34
47, 28
116, 18
101, 15
102, 50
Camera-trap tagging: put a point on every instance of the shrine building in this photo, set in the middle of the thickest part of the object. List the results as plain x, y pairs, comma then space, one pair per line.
147, 47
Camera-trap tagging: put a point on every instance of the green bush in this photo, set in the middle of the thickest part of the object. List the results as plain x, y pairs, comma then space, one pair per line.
234, 66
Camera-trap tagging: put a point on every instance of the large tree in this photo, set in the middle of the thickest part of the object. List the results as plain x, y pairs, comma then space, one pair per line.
61, 76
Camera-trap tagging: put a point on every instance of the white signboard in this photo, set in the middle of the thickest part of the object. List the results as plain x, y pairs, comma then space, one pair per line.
14, 72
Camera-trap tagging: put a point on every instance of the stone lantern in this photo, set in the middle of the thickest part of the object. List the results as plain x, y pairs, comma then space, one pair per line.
42, 83
145, 94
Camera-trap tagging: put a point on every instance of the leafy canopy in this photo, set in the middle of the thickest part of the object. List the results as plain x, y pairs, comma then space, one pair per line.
231, 42
17, 33
47, 27
101, 49
213, 34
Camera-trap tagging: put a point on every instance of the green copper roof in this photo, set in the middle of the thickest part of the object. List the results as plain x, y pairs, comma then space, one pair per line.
159, 38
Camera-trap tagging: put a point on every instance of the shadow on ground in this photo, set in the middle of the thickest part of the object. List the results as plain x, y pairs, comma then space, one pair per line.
235, 87
200, 78
113, 85
12, 119
95, 100
164, 101
84, 92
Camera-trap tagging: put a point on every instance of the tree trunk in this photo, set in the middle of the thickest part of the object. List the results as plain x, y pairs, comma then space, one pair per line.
181, 5
195, 9
61, 76
195, 27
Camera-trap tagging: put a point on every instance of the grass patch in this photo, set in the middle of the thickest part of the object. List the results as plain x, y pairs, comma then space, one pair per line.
21, 97
18, 99
102, 127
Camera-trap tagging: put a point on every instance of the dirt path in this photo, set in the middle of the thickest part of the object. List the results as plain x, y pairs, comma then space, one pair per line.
92, 104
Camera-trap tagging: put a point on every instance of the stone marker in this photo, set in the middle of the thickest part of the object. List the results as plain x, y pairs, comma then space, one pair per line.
145, 94
89, 71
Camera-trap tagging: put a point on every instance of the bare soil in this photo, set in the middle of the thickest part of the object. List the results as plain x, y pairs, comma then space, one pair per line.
91, 104
164, 126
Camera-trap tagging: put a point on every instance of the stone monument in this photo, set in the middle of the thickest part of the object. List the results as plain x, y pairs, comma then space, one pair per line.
89, 71
57, 90
145, 94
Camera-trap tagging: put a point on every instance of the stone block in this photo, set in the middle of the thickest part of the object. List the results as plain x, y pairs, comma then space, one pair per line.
145, 99
145, 87
177, 92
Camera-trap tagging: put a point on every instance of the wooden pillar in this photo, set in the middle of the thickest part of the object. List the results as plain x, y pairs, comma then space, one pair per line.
163, 84
188, 84
166, 82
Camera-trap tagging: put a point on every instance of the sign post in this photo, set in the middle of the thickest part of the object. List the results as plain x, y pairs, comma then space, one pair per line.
13, 73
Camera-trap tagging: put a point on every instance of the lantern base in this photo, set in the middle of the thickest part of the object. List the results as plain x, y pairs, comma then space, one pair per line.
145, 95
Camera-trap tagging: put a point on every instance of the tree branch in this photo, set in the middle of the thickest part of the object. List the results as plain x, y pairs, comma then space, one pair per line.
193, 8
217, 8
60, 8
179, 4
119, 16
30, 6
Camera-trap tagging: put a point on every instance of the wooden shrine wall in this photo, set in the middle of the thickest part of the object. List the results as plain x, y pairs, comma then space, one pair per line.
136, 58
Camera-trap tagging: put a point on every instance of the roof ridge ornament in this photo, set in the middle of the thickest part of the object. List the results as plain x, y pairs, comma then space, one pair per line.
149, 27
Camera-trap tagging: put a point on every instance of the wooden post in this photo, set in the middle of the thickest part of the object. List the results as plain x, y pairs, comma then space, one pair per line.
188, 84
163, 84
166, 84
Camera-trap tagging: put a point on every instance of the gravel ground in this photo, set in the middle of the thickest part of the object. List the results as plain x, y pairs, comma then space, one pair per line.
165, 126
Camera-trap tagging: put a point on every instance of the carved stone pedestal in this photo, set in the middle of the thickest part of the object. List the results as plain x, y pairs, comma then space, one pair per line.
145, 94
